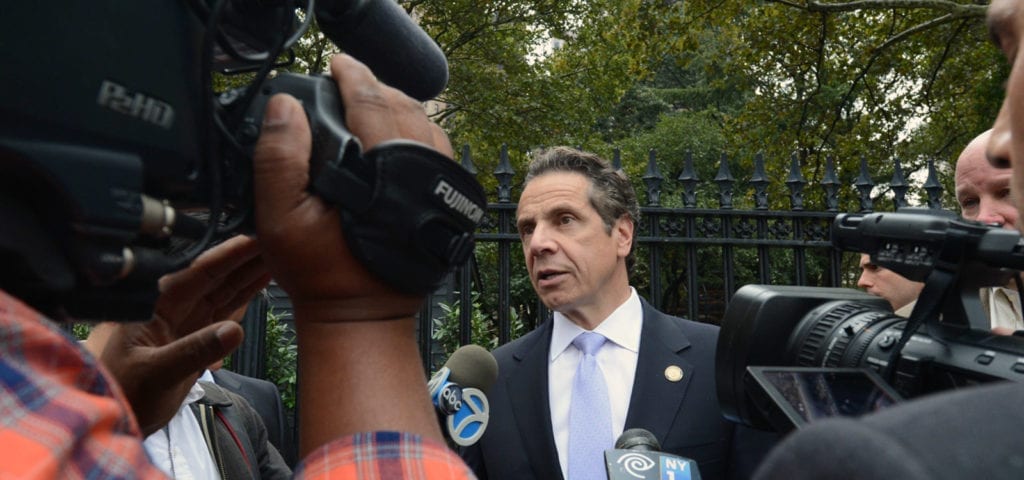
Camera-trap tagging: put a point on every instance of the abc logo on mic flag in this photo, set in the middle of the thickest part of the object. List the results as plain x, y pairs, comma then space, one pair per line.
627, 464
467, 424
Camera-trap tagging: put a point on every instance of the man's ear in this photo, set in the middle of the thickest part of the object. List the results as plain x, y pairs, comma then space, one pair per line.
623, 230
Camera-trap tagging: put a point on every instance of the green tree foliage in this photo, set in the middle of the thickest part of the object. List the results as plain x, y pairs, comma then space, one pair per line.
878, 79
511, 85
883, 79
681, 112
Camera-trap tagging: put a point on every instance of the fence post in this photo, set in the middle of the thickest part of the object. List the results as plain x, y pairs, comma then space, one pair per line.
899, 186
933, 187
796, 182
864, 186
504, 173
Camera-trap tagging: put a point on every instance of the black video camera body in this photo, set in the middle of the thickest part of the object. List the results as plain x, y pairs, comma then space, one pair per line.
817, 336
110, 131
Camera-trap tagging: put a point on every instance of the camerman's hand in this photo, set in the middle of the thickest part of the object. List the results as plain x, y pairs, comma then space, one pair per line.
358, 358
303, 239
156, 362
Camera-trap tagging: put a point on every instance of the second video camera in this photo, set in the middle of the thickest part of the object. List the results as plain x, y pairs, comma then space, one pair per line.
788, 355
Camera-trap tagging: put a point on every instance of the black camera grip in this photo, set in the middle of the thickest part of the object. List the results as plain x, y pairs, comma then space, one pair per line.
408, 211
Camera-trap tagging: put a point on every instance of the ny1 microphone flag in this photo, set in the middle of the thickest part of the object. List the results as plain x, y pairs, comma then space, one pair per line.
625, 464
637, 455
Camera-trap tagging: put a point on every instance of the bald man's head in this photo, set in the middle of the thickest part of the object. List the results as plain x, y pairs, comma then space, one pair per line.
983, 191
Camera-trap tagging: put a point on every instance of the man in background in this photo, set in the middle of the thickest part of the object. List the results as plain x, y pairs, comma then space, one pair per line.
983, 193
897, 289
265, 398
263, 395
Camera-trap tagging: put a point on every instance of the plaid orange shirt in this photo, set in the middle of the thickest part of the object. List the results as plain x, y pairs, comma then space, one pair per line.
383, 455
62, 416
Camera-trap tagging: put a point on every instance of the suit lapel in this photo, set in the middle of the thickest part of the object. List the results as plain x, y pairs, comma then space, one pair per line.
231, 383
528, 392
655, 399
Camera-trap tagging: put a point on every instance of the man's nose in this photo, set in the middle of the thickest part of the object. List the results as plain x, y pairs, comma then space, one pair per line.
541, 241
990, 212
998, 149
863, 282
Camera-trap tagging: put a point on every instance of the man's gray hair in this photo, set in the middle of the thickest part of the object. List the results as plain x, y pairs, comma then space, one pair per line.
611, 193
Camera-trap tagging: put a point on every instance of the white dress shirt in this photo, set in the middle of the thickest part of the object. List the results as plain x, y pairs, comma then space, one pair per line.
617, 359
179, 449
1003, 307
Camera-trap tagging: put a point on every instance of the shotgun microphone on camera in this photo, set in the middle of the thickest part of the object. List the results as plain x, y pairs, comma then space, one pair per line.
383, 36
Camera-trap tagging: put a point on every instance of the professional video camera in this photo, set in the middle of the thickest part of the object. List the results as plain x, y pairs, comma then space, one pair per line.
789, 355
111, 133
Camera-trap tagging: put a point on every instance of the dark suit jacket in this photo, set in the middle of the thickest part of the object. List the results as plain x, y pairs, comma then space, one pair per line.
684, 415
977, 432
238, 441
266, 400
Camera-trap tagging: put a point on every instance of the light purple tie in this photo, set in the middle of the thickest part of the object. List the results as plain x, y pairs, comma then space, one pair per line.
590, 415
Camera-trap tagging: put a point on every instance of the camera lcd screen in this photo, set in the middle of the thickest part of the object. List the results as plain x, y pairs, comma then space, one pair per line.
806, 394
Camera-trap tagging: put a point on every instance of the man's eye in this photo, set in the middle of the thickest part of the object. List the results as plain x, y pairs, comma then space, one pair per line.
566, 219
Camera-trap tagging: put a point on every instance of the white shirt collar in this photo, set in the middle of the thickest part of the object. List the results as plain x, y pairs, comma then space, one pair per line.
621, 327
194, 394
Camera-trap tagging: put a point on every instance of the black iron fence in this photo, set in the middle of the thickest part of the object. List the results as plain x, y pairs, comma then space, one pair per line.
691, 257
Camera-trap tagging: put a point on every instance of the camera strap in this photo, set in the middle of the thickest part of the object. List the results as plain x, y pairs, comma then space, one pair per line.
929, 304
408, 212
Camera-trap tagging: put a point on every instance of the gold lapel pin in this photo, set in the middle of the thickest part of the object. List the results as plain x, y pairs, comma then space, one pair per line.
673, 373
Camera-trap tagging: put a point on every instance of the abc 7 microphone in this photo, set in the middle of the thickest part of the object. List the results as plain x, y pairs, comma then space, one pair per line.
637, 456
457, 390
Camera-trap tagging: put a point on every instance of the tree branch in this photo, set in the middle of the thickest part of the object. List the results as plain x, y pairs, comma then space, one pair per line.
942, 60
915, 29
875, 54
956, 9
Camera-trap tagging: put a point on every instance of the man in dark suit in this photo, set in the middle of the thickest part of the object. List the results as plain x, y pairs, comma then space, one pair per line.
266, 400
576, 218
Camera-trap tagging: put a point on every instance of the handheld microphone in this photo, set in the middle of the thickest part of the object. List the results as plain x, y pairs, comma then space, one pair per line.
637, 455
457, 391
381, 34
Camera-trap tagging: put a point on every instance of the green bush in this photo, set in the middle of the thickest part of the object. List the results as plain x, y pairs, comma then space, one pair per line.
80, 330
282, 358
483, 330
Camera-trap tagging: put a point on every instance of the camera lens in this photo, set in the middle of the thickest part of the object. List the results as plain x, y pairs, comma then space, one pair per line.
774, 325
839, 334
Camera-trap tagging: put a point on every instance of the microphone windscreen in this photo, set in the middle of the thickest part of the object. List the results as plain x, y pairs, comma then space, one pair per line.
383, 36
638, 439
472, 366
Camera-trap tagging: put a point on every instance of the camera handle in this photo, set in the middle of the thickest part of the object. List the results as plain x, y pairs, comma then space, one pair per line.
408, 212
944, 293
929, 303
